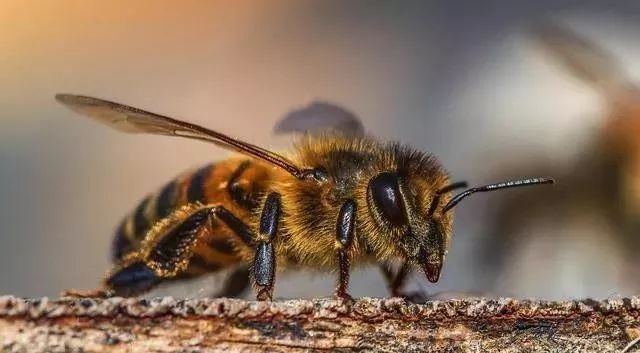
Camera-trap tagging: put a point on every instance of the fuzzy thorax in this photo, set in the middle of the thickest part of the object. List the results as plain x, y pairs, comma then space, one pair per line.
310, 207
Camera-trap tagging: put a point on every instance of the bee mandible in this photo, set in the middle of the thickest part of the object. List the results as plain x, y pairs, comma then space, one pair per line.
339, 198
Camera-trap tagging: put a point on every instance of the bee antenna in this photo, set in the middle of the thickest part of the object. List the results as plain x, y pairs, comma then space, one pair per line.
436, 200
497, 186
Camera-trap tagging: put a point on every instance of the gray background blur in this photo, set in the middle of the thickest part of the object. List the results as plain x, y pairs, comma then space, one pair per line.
458, 79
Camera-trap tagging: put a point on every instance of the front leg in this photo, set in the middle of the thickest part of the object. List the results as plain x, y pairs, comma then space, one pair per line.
396, 280
345, 230
264, 262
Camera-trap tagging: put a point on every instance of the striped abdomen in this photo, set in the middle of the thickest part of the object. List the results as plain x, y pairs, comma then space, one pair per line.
233, 183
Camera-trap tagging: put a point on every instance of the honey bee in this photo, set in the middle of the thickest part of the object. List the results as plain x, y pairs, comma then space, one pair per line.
604, 188
340, 197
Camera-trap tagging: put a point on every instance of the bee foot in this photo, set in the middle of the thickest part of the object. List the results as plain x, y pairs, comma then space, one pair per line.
345, 299
92, 293
415, 297
264, 295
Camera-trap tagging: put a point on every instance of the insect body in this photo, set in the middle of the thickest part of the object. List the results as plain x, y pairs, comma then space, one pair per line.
339, 198
231, 185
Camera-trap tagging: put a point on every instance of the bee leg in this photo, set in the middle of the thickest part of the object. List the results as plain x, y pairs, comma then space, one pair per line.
236, 284
132, 279
164, 259
264, 262
395, 280
89, 293
124, 280
345, 230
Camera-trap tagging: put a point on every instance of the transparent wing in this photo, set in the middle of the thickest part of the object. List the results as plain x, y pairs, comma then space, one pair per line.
584, 58
319, 116
133, 120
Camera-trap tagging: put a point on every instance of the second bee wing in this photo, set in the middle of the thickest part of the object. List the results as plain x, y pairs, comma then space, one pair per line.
586, 59
133, 120
319, 116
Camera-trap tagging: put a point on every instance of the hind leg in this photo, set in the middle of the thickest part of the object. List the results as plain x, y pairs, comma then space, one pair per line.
236, 284
124, 280
86, 293
165, 255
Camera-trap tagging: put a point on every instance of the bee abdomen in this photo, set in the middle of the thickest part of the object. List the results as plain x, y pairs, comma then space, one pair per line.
212, 184
167, 199
196, 186
178, 192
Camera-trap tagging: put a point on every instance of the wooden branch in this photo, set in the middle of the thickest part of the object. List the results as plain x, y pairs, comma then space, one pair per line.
370, 325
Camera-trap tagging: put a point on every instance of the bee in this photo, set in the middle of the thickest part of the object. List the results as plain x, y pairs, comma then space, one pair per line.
339, 198
603, 192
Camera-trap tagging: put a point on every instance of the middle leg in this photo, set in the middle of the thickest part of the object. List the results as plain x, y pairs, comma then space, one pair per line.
345, 232
264, 262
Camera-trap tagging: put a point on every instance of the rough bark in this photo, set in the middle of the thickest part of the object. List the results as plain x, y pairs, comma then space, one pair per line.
369, 325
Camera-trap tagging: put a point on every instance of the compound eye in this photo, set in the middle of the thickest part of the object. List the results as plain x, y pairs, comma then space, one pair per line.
385, 192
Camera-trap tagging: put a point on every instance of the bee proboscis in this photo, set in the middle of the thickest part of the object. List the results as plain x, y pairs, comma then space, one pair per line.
339, 198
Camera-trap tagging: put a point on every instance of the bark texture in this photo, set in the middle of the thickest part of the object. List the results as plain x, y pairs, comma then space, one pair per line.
369, 325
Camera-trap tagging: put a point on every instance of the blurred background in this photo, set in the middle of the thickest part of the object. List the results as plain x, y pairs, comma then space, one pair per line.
475, 83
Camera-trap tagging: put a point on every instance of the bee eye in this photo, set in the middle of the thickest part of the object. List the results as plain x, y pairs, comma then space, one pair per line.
385, 192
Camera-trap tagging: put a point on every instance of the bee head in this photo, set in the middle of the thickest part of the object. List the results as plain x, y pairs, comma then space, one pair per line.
416, 213
403, 205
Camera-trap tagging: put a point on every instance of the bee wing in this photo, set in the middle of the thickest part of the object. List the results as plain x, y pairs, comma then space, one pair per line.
584, 58
133, 120
319, 116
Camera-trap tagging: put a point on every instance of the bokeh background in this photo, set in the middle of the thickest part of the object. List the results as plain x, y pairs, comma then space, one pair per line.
460, 79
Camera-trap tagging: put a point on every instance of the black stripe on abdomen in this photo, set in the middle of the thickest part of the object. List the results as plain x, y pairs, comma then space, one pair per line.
121, 242
167, 200
140, 221
196, 190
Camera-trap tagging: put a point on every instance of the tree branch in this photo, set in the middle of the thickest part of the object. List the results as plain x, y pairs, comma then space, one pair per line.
372, 325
